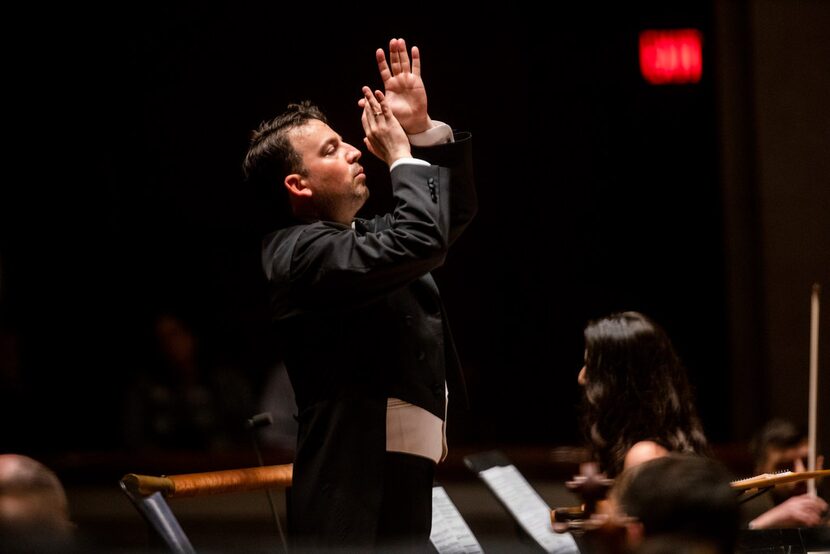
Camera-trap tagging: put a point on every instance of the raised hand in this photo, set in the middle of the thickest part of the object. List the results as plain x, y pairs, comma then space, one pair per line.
385, 138
405, 92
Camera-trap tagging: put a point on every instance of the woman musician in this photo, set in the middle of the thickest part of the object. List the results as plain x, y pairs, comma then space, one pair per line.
638, 406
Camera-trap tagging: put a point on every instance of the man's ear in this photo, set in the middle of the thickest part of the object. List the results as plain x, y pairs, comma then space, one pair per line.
296, 185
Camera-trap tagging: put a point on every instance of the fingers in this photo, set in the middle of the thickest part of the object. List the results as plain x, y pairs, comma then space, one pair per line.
798, 466
363, 102
371, 104
416, 61
807, 510
398, 60
385, 72
394, 56
367, 119
375, 111
369, 146
404, 56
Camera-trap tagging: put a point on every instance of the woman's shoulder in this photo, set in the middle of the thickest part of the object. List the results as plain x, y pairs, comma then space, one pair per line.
642, 452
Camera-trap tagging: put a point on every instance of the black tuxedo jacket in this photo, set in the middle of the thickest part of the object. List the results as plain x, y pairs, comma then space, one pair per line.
361, 320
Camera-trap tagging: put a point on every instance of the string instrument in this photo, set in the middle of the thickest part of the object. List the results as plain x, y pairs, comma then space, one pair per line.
598, 530
594, 525
766, 480
753, 486
594, 514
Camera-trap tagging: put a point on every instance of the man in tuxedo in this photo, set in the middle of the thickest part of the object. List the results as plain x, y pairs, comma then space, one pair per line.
366, 339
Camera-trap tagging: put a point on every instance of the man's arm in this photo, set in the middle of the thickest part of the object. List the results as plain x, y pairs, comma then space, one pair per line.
327, 264
407, 98
798, 511
458, 158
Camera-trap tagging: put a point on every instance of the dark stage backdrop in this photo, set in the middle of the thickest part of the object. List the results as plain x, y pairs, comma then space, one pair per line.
124, 198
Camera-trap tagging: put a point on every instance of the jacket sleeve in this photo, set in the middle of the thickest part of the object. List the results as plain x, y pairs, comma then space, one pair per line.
457, 157
331, 265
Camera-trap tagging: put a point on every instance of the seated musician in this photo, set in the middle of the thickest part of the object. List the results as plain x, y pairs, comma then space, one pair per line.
677, 503
638, 403
781, 445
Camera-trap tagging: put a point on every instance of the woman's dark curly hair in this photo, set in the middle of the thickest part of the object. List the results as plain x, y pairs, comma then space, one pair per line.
636, 389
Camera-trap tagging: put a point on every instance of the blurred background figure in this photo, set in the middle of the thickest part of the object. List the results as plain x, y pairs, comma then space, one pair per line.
185, 400
781, 445
34, 516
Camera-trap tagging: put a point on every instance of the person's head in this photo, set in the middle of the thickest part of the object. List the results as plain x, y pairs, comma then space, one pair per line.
680, 498
635, 389
33, 506
177, 342
781, 445
302, 168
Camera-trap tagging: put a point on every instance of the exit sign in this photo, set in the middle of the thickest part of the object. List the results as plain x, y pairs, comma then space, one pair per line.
670, 57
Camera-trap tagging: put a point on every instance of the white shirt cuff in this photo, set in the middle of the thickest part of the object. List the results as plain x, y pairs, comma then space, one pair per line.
411, 161
440, 133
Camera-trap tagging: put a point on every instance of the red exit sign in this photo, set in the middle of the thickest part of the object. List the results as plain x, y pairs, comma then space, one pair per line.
671, 56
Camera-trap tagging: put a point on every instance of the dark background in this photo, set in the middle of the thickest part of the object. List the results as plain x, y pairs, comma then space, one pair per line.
704, 206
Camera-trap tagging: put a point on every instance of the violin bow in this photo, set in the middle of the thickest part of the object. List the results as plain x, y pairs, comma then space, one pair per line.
766, 480
811, 431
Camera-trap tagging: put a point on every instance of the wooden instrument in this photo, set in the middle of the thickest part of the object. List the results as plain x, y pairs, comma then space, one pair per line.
772, 479
593, 488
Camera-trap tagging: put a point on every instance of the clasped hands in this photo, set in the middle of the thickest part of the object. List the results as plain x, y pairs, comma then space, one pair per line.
388, 117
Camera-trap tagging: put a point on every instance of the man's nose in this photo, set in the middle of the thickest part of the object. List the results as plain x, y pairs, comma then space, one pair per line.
353, 154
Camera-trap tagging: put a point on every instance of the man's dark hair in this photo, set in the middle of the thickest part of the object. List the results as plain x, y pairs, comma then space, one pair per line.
636, 389
683, 496
777, 433
271, 157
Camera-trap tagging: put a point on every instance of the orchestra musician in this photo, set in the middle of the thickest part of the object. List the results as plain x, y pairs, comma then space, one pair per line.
638, 403
677, 503
781, 445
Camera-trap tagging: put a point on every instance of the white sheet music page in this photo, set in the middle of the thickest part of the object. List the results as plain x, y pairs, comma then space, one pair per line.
450, 533
532, 513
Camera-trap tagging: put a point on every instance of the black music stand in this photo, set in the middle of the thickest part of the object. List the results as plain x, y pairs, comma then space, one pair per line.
159, 517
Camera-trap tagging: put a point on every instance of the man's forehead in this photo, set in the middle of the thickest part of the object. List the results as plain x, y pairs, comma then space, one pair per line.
311, 134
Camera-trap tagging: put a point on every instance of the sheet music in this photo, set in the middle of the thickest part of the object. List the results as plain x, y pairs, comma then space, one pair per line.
525, 504
450, 533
